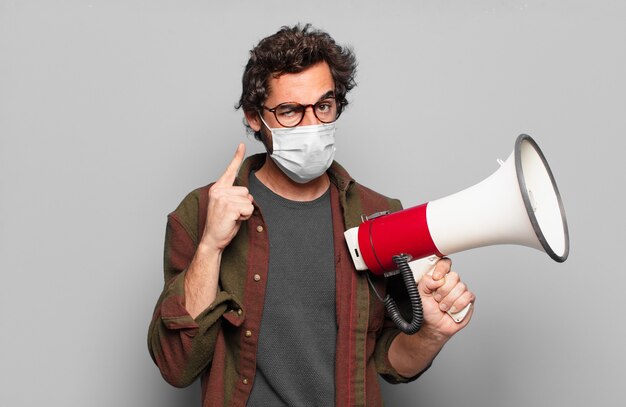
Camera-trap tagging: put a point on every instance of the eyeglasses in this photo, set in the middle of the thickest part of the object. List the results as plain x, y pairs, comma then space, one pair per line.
290, 114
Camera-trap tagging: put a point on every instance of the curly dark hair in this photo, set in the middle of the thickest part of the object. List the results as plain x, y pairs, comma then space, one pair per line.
292, 50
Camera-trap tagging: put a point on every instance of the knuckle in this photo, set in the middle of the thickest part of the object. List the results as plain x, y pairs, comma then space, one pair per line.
214, 192
247, 210
459, 289
462, 301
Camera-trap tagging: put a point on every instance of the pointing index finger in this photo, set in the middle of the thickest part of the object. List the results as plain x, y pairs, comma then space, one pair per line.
228, 177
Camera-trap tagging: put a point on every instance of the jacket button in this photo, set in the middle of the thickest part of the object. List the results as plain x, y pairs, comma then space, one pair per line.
248, 334
259, 228
239, 312
245, 381
257, 277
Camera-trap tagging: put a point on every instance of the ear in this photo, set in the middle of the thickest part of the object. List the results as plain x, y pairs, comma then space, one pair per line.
255, 123
253, 120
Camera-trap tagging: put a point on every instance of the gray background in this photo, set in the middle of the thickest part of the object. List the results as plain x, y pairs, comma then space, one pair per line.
111, 111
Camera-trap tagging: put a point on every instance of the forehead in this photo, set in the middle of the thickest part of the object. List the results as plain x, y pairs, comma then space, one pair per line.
302, 87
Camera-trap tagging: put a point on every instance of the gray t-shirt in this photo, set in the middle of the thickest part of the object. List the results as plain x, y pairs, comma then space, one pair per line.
296, 348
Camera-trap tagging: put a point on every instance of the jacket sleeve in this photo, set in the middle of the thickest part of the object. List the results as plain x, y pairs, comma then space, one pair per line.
181, 346
383, 366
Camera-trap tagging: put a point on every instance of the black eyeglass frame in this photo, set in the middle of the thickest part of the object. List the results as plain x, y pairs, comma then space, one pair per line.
340, 105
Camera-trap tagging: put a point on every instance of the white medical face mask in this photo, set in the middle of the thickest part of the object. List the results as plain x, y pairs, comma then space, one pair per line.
303, 153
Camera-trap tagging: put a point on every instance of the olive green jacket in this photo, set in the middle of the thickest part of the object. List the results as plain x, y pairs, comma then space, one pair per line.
220, 344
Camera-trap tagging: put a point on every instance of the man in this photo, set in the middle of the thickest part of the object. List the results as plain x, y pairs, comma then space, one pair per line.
261, 298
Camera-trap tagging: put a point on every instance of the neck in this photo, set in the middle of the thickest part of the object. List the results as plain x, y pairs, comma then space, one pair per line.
272, 177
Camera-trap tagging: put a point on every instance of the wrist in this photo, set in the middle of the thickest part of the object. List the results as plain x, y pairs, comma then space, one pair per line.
205, 263
412, 354
430, 334
206, 248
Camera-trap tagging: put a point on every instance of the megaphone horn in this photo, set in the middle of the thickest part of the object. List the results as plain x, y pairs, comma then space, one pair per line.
518, 204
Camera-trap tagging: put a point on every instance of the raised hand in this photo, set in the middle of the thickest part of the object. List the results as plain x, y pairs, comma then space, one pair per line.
228, 206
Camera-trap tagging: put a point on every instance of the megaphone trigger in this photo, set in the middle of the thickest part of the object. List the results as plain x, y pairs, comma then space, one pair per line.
422, 266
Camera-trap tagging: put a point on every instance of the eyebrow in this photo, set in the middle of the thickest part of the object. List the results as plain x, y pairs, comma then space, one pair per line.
329, 94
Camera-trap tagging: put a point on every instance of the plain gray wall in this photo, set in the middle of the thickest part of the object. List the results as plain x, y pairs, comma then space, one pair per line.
111, 111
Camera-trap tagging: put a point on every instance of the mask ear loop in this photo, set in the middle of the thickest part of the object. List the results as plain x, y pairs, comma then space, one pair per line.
264, 138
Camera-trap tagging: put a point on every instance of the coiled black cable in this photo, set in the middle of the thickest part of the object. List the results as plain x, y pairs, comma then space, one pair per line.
409, 328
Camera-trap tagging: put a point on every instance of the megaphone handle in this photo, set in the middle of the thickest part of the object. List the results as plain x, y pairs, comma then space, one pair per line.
426, 265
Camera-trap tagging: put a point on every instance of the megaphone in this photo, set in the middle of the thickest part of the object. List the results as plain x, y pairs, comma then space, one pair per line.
518, 204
